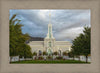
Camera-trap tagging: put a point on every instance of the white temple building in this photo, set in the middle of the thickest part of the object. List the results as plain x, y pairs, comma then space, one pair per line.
50, 44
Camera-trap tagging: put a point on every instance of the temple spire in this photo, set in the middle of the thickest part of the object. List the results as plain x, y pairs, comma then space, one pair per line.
49, 17
50, 34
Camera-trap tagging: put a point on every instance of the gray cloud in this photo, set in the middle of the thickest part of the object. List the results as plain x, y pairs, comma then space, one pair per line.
67, 24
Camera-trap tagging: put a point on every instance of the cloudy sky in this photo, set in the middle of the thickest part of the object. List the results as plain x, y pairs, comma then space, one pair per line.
67, 24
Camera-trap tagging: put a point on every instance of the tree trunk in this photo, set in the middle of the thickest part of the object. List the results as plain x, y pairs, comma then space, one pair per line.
19, 58
10, 59
32, 57
73, 58
79, 58
86, 58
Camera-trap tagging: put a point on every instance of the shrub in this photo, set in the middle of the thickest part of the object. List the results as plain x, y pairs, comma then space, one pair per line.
59, 58
35, 58
44, 53
55, 53
49, 57
40, 58
34, 54
65, 54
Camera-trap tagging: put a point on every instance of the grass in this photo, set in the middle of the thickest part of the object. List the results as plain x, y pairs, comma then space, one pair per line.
50, 62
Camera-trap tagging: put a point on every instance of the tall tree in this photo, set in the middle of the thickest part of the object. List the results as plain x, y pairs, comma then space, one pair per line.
81, 44
71, 54
17, 39
87, 42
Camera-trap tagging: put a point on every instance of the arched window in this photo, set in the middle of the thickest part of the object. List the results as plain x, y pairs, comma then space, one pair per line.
40, 52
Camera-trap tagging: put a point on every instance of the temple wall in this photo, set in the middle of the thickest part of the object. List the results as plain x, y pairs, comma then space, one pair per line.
59, 45
36, 46
63, 43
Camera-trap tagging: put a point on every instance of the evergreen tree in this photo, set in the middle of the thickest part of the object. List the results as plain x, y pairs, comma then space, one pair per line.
81, 44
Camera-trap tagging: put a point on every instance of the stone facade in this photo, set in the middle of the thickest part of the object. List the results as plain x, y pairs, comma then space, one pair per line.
56, 46
50, 44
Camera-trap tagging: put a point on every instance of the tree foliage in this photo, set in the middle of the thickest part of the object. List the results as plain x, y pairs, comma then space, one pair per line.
55, 53
81, 44
17, 39
34, 53
44, 53
65, 53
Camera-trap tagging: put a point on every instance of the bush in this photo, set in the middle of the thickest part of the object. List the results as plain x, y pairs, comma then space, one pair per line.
49, 57
55, 53
35, 58
40, 58
59, 58
65, 54
34, 54
44, 53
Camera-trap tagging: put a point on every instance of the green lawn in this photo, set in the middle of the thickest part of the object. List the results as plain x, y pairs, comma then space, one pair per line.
50, 62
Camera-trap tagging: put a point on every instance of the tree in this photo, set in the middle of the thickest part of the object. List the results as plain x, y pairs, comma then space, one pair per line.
27, 51
34, 54
81, 44
77, 45
71, 53
87, 42
17, 39
65, 54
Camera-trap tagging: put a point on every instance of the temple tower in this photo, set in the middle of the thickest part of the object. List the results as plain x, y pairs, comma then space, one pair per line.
50, 34
49, 41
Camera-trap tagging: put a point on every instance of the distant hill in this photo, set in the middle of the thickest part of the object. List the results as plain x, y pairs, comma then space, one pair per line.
35, 39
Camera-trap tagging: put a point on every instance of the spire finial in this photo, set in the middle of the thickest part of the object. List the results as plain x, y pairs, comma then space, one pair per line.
49, 16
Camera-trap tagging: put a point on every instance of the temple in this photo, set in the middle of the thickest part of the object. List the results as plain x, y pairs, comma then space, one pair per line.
50, 44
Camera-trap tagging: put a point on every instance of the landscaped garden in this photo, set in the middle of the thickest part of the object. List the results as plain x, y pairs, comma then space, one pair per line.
20, 51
